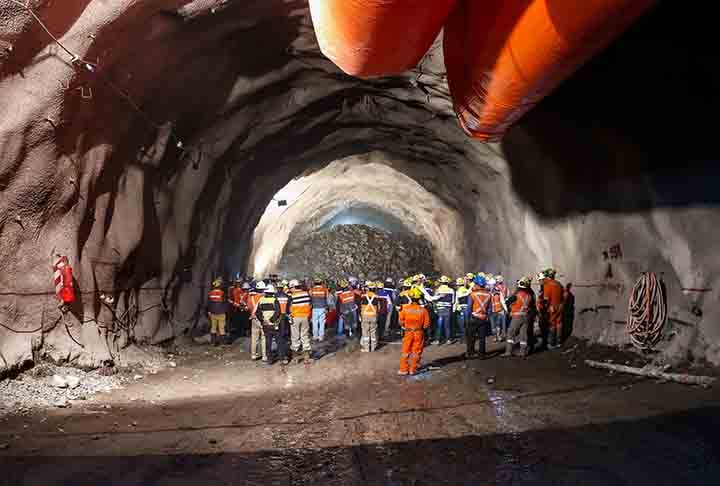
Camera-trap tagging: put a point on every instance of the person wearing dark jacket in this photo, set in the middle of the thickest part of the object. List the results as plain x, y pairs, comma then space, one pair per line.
268, 313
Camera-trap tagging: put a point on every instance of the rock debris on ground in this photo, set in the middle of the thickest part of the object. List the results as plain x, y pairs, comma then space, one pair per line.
359, 250
48, 385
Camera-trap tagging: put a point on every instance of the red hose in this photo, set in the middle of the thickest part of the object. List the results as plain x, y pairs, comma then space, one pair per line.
647, 311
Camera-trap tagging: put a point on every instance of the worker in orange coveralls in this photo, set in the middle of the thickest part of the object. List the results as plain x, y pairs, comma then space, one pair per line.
553, 294
414, 320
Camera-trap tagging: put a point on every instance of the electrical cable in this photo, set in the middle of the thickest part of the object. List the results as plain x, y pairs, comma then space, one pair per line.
647, 311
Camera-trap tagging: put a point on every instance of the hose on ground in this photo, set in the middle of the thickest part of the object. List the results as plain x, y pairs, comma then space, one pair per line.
647, 311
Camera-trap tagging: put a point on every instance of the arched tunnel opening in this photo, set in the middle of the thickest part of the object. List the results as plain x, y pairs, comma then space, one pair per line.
159, 145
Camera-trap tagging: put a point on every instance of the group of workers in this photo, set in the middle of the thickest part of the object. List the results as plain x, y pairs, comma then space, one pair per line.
294, 313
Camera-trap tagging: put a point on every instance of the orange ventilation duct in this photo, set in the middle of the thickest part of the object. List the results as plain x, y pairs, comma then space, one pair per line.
504, 56
377, 37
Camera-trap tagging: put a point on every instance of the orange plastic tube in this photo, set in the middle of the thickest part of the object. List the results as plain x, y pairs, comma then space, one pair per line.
504, 56
377, 37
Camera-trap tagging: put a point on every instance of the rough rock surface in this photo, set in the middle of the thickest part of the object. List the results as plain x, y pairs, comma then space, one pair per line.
358, 250
152, 167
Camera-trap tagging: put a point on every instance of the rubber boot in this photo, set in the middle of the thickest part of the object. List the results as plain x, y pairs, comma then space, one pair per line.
508, 350
553, 339
213, 339
523, 351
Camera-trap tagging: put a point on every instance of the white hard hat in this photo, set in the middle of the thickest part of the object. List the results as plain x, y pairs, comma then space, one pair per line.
246, 286
499, 279
270, 289
260, 285
492, 282
294, 283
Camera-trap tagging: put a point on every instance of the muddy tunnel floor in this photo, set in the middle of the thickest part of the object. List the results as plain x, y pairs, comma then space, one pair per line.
349, 419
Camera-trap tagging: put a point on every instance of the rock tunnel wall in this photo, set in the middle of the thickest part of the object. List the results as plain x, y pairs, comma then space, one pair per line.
152, 167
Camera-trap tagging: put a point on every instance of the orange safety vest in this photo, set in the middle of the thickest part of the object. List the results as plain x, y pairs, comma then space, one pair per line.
521, 306
300, 304
480, 303
238, 296
216, 295
253, 301
497, 302
346, 297
283, 300
553, 292
368, 306
414, 317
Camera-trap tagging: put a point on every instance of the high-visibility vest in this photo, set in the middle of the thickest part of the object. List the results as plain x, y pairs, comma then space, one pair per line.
318, 296
553, 292
216, 295
521, 306
368, 305
300, 304
252, 301
461, 297
266, 306
480, 303
283, 299
497, 299
346, 297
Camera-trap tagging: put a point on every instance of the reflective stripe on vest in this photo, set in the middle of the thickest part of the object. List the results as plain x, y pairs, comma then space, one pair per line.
253, 301
480, 304
300, 304
369, 308
283, 304
497, 302
216, 295
347, 297
521, 306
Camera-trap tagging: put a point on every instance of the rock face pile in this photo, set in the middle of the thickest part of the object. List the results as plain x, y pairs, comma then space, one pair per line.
357, 250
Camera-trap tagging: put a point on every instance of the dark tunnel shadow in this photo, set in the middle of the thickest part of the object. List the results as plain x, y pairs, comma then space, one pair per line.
634, 129
672, 449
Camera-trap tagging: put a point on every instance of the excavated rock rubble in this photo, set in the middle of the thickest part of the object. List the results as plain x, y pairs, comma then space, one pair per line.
357, 250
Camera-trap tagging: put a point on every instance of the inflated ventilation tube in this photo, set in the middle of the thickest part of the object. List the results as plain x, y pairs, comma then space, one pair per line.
368, 38
502, 56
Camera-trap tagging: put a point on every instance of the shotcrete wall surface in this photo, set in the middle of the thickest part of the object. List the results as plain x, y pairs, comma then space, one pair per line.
151, 169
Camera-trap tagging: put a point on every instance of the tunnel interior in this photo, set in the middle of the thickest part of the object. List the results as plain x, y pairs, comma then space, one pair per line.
165, 176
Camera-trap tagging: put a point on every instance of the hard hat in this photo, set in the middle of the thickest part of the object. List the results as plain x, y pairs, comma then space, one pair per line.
479, 280
407, 282
482, 274
317, 280
489, 276
460, 281
379, 284
499, 278
491, 282
470, 276
550, 272
246, 286
525, 282
284, 283
217, 283
445, 279
270, 289
260, 285
541, 276
294, 283
415, 293
343, 283
369, 284
422, 276
389, 281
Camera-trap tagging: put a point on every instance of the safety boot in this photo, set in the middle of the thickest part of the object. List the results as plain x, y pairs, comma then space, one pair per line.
508, 350
523, 351
213, 339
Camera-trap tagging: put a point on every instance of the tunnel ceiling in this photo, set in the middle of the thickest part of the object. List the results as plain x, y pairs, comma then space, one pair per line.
151, 167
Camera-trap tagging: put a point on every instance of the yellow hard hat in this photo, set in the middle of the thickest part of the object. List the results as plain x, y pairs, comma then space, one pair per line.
470, 276
460, 281
415, 293
408, 282
217, 283
445, 279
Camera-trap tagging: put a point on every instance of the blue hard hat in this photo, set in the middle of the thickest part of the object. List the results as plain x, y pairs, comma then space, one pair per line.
480, 281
